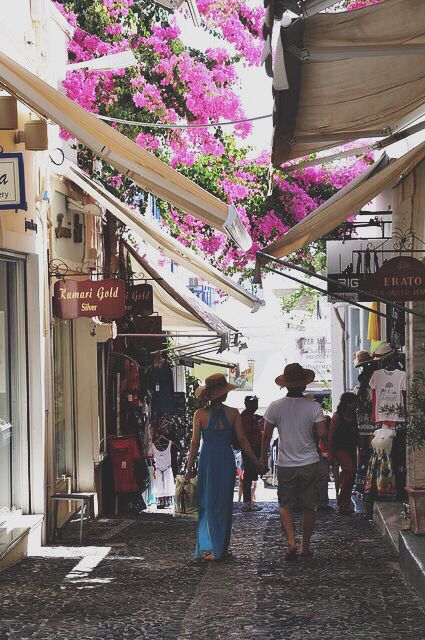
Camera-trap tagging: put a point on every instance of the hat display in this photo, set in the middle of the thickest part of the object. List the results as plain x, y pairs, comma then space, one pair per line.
215, 387
295, 375
382, 351
361, 358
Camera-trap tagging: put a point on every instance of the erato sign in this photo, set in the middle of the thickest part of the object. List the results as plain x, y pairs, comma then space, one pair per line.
89, 298
400, 279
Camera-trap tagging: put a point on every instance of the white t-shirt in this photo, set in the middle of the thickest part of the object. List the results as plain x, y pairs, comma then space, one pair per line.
294, 419
388, 387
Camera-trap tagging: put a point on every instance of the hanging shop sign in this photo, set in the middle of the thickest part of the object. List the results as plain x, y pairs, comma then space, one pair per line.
12, 181
400, 279
139, 300
350, 261
89, 298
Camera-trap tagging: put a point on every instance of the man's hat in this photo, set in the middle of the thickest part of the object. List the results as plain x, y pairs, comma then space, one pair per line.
251, 399
295, 376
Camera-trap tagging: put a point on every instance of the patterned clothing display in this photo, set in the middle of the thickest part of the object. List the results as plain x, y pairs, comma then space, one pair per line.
364, 412
380, 481
387, 390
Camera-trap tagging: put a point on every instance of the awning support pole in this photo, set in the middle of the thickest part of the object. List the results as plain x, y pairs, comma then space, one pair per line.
343, 287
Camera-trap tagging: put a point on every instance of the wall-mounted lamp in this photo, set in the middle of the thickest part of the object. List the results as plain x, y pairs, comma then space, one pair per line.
8, 113
34, 136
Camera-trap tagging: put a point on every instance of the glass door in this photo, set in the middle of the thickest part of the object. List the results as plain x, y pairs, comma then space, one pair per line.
13, 387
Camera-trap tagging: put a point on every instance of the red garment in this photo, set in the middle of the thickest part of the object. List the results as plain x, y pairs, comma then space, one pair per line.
124, 454
348, 463
252, 428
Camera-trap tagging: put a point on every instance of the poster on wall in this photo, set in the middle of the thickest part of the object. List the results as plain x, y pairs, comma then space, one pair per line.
315, 353
89, 298
12, 181
244, 380
350, 261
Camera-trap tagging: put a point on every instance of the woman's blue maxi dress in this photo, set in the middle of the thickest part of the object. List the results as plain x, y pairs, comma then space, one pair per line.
216, 482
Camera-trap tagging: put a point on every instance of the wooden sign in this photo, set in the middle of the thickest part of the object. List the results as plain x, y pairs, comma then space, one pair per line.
139, 300
400, 279
89, 298
12, 182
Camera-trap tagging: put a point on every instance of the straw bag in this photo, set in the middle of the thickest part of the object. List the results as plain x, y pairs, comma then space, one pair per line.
186, 498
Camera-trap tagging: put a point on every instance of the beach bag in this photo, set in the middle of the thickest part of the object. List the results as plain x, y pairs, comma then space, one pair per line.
186, 498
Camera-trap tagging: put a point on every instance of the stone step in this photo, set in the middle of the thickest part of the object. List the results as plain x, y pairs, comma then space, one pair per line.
20, 535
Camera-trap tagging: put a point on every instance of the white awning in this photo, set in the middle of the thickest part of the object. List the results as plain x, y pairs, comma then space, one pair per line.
145, 169
158, 238
179, 307
344, 76
382, 174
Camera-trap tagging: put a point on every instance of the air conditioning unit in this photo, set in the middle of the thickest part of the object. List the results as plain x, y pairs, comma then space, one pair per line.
193, 282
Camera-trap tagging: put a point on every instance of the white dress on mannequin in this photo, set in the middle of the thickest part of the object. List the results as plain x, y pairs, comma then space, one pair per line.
164, 480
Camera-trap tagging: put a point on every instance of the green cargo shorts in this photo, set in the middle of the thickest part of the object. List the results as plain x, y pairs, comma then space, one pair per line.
298, 486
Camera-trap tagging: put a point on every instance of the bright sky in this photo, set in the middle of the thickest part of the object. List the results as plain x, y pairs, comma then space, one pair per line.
255, 92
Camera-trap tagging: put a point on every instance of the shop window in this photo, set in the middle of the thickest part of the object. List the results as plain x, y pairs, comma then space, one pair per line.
13, 386
64, 399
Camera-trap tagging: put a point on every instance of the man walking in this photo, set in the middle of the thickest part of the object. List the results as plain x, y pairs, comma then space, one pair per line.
296, 418
254, 434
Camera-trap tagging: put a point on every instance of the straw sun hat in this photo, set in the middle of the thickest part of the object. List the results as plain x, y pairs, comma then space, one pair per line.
361, 358
295, 376
215, 387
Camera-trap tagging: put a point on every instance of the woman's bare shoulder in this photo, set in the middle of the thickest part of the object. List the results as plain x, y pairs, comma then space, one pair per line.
231, 411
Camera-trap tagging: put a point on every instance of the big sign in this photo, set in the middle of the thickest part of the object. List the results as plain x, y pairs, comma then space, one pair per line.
400, 279
89, 298
139, 300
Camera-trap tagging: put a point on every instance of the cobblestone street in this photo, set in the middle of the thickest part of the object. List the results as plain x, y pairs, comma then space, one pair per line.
144, 583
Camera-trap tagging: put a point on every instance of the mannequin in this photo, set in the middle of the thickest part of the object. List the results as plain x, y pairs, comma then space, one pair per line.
380, 481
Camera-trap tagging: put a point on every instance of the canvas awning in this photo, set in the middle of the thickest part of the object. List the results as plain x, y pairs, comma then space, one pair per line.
344, 76
382, 174
145, 169
179, 307
156, 237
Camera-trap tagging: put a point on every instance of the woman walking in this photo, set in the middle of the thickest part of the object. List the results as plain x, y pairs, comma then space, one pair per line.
217, 470
342, 446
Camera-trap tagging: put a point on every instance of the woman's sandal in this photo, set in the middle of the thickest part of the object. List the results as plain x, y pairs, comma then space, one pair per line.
209, 556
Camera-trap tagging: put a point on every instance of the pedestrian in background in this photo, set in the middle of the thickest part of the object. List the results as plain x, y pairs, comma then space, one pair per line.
342, 445
251, 425
297, 419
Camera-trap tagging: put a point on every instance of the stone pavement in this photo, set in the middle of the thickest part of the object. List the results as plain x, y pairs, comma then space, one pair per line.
144, 584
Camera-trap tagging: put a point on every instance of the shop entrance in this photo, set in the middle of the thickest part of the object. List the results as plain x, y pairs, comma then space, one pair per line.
13, 386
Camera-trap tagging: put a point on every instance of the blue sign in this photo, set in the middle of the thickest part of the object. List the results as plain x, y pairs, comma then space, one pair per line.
12, 181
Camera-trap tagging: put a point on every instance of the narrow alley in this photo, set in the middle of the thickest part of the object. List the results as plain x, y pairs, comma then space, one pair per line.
141, 581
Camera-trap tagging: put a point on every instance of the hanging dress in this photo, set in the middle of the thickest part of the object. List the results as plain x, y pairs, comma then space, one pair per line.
216, 482
380, 480
163, 483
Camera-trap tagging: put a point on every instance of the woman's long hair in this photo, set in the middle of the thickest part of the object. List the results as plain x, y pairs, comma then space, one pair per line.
344, 400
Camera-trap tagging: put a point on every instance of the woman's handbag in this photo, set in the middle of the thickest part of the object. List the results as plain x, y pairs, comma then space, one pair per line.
186, 498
